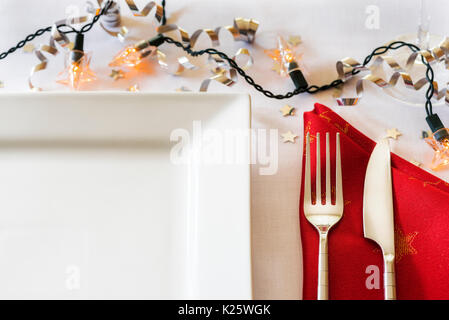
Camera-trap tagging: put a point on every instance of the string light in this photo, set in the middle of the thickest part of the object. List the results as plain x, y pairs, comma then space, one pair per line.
78, 69
133, 55
286, 62
440, 145
77, 66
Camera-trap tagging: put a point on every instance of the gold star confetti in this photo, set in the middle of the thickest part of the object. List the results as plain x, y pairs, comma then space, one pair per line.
28, 48
287, 110
117, 74
289, 137
294, 40
134, 88
393, 133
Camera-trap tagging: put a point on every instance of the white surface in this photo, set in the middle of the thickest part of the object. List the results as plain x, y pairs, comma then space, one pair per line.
93, 207
330, 30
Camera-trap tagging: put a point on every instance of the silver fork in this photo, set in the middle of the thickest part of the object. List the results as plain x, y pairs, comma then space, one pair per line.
323, 216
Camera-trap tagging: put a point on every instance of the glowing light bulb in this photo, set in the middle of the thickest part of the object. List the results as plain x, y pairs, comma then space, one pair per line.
77, 66
441, 149
283, 55
133, 55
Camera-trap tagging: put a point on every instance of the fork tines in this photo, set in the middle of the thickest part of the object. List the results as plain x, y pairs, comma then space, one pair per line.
307, 172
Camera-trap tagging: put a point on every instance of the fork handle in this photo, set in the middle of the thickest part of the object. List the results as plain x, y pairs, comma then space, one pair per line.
323, 290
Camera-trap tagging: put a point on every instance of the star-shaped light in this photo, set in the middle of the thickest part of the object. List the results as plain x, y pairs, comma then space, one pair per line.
132, 56
441, 153
289, 136
287, 110
77, 72
283, 55
393, 133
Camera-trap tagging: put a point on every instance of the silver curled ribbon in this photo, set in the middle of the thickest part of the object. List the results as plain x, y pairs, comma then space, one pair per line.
111, 21
224, 74
241, 30
346, 66
112, 18
146, 9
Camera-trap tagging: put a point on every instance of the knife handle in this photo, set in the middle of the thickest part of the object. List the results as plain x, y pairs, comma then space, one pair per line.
389, 278
323, 290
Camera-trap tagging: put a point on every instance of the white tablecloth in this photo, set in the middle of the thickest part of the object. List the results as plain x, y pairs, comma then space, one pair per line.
330, 31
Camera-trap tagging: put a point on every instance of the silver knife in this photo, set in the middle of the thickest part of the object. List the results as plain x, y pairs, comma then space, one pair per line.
378, 220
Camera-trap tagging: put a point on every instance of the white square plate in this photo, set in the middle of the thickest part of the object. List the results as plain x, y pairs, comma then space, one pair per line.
93, 207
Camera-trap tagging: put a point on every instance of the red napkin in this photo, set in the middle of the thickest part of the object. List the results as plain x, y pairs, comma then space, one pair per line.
421, 204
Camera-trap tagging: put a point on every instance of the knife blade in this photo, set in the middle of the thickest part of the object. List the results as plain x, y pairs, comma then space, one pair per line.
378, 212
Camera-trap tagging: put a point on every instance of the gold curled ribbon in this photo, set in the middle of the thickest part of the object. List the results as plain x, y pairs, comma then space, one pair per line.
346, 66
241, 30
146, 9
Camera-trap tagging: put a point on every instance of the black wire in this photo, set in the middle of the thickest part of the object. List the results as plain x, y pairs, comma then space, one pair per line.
211, 51
313, 88
164, 17
62, 28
